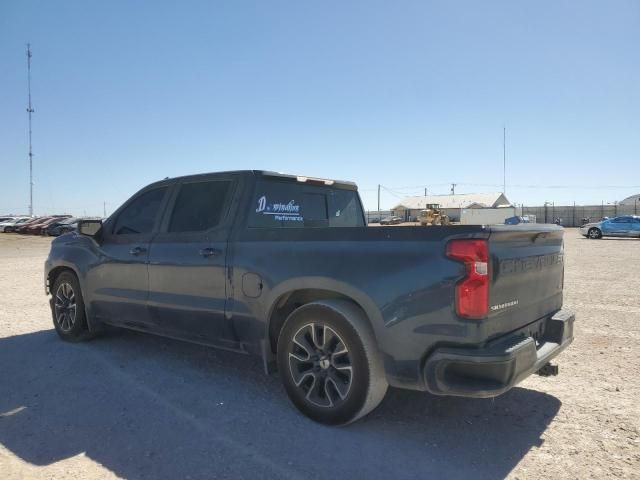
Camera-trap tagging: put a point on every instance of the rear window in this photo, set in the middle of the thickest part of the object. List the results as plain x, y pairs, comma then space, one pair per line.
282, 204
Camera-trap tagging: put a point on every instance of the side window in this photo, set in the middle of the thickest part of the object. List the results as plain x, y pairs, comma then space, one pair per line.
284, 204
621, 220
140, 215
199, 206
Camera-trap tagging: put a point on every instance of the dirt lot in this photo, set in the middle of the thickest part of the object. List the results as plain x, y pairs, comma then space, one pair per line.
135, 406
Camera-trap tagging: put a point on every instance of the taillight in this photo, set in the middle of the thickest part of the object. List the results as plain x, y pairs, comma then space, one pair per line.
472, 292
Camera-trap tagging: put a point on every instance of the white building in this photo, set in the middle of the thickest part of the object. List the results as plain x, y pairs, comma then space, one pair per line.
631, 201
409, 208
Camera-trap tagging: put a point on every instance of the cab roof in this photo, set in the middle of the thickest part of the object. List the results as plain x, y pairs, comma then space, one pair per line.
266, 173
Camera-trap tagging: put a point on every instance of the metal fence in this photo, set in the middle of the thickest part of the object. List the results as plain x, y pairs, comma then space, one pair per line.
576, 215
569, 215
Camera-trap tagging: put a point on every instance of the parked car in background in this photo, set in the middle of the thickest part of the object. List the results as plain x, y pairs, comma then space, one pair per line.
69, 227
624, 226
32, 228
15, 226
13, 222
393, 220
40, 228
517, 220
26, 226
6, 219
59, 226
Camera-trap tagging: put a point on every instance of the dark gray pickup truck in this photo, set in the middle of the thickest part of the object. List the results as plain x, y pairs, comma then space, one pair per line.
285, 267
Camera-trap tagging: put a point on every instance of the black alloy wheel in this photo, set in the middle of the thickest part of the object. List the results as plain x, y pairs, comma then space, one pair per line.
320, 365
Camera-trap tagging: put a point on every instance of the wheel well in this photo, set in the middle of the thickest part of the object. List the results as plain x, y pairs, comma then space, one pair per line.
55, 273
288, 302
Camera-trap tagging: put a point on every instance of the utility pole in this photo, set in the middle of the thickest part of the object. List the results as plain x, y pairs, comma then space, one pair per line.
379, 204
425, 191
504, 160
104, 209
30, 111
453, 188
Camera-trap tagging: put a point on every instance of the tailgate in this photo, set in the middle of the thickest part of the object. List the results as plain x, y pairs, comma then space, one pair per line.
527, 275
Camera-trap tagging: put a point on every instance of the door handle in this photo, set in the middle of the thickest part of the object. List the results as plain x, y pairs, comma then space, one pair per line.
137, 251
210, 252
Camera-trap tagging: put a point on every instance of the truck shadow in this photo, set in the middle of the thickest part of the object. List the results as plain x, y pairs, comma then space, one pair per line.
147, 407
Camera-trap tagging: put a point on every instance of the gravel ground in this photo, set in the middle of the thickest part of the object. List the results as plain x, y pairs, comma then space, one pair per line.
135, 406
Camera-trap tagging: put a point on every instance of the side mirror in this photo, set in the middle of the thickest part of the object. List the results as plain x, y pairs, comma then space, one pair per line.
89, 227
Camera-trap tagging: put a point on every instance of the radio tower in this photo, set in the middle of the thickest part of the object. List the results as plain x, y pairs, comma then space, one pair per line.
30, 111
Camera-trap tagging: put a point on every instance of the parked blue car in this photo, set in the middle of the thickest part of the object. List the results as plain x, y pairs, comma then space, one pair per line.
624, 226
517, 220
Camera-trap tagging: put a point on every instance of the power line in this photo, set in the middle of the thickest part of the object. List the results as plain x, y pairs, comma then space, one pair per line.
392, 192
582, 187
431, 185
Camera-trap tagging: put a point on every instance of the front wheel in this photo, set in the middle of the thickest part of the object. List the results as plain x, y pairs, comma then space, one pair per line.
329, 363
67, 308
594, 233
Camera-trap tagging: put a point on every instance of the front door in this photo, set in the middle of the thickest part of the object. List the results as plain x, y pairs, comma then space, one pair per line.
187, 271
119, 283
617, 227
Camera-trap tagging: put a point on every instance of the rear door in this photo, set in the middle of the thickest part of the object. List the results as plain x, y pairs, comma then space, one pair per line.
120, 281
187, 263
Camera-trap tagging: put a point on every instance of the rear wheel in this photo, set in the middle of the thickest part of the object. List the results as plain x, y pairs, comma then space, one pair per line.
67, 308
594, 233
329, 363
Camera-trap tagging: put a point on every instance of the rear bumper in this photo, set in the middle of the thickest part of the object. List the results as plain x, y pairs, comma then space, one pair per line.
494, 369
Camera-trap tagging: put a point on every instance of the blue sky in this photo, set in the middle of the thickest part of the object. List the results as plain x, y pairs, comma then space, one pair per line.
409, 94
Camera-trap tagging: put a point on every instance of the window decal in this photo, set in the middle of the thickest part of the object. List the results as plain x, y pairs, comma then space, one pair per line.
282, 212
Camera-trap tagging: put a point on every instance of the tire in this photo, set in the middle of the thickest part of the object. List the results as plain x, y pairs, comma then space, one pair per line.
594, 233
67, 308
329, 362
